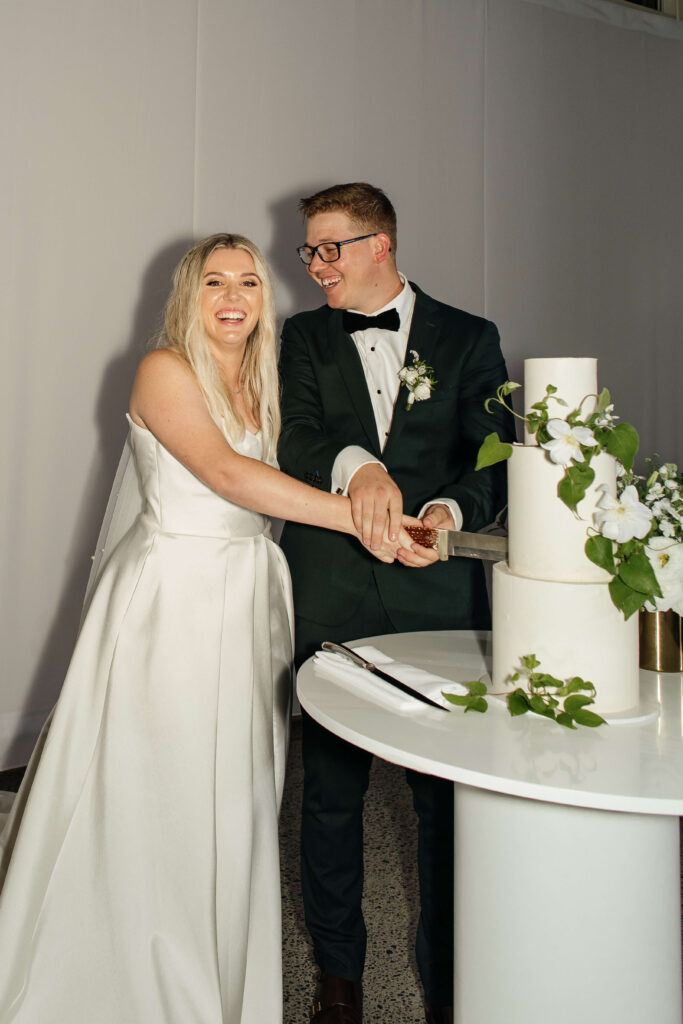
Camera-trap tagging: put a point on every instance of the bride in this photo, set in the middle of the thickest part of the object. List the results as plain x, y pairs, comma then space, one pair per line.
139, 864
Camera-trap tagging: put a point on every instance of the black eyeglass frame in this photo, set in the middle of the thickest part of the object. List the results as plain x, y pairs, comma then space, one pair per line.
304, 250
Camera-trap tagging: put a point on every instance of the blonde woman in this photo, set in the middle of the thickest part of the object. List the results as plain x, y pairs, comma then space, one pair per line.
140, 862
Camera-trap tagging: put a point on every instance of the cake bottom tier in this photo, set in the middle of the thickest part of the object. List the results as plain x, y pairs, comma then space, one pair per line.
572, 628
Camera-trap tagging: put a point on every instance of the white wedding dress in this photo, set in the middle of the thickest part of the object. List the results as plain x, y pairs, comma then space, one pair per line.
139, 865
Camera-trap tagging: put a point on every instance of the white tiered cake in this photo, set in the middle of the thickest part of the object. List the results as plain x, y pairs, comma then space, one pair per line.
549, 599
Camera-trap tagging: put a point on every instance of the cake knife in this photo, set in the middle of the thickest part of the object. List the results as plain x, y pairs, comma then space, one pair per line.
357, 659
489, 546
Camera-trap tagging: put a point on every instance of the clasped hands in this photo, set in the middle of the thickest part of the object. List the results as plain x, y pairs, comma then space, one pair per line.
377, 513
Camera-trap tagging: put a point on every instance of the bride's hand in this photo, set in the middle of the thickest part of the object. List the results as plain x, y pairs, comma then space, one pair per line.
389, 549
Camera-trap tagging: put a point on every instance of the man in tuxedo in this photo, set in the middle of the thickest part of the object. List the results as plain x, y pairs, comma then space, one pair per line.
347, 426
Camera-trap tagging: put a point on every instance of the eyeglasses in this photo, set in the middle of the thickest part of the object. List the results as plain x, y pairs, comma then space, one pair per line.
327, 251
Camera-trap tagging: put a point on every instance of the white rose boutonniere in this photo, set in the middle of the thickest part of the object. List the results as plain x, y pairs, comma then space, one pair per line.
418, 379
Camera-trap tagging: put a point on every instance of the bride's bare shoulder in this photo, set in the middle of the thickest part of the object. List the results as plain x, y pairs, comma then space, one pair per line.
164, 379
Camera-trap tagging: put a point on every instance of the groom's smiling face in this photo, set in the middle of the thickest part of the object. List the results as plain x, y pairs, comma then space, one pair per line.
351, 282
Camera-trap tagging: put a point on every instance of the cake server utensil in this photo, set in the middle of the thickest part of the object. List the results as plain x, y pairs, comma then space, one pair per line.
489, 546
356, 658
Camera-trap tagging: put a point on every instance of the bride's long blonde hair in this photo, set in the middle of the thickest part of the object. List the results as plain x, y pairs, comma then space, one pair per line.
183, 333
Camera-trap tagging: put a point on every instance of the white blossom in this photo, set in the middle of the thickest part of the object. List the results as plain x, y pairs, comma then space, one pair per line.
622, 519
666, 559
606, 418
566, 442
422, 391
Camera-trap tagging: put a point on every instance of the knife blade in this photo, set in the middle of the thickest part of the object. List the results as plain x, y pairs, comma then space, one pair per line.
488, 546
357, 659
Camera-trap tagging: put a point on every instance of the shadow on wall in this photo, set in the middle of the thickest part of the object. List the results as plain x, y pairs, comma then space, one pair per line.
112, 405
295, 290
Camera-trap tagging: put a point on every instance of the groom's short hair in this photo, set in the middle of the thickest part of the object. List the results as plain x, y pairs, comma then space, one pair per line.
368, 206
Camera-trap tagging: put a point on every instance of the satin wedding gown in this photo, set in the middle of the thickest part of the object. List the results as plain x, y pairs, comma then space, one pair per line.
140, 860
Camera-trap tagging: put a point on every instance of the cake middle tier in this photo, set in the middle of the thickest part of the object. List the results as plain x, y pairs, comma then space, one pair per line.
546, 539
573, 629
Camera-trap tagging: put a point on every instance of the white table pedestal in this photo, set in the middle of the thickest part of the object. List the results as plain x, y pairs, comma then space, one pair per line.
565, 908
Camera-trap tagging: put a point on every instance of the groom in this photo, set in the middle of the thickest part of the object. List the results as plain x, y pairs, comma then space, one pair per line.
347, 427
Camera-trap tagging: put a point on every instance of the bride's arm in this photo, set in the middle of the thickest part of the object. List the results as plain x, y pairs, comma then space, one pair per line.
166, 399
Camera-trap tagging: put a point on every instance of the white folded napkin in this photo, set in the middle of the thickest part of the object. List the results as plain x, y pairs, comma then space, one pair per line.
340, 670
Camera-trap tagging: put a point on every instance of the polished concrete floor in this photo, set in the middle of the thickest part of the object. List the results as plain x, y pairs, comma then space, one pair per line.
392, 991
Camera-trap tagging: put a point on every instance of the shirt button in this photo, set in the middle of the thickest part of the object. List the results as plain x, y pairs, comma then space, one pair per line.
379, 391
372, 349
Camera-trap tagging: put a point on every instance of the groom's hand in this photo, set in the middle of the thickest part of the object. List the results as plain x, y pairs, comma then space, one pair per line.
376, 505
436, 517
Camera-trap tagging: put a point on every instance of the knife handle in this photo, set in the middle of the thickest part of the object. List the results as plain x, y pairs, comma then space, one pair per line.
422, 535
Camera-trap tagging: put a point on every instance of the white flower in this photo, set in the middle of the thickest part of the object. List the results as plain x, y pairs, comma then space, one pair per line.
418, 380
667, 528
666, 559
566, 442
606, 418
624, 518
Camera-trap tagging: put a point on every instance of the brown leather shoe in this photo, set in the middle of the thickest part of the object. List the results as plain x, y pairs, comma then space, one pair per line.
337, 1001
438, 1014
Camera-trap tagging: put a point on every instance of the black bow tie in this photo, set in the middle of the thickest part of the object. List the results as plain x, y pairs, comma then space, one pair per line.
389, 320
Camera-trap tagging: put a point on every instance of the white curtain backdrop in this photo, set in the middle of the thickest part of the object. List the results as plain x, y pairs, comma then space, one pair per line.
532, 149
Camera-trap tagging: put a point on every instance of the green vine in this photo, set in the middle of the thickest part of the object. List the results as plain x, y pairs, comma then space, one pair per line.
541, 696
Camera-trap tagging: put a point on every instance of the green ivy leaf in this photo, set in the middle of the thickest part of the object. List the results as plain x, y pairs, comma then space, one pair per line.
493, 450
477, 688
625, 598
576, 702
544, 679
588, 718
604, 400
600, 551
574, 484
628, 547
637, 573
518, 703
540, 707
461, 700
576, 684
564, 719
477, 704
508, 387
622, 443
530, 662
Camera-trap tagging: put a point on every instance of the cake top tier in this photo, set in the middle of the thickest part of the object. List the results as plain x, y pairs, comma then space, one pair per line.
573, 378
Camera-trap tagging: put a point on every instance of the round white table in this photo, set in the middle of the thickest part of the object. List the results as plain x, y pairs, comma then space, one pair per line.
567, 884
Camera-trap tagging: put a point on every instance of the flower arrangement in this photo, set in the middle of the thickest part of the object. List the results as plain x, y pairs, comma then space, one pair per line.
661, 493
418, 379
637, 536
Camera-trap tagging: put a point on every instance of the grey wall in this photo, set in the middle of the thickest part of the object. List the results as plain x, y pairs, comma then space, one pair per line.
531, 148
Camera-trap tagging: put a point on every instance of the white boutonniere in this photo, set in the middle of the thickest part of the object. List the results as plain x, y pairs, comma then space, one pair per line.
419, 380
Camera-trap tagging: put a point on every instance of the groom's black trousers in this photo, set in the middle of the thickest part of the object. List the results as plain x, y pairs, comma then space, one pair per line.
335, 780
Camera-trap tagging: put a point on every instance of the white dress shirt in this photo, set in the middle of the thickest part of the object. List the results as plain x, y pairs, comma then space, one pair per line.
382, 354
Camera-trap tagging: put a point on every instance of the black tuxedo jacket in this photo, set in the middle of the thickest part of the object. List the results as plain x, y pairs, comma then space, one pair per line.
430, 452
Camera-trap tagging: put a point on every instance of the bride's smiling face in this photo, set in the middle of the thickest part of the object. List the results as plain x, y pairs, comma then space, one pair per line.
231, 297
